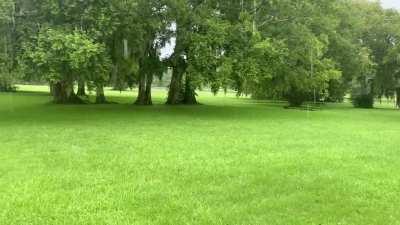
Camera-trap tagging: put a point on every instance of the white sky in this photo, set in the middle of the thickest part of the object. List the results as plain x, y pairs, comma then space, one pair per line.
391, 3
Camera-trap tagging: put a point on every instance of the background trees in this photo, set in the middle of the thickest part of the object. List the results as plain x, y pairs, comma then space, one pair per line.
293, 50
7, 45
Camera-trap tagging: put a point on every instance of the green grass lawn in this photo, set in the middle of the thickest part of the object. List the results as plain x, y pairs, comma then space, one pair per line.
229, 161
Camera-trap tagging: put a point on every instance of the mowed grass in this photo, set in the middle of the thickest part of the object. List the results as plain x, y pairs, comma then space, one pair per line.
229, 161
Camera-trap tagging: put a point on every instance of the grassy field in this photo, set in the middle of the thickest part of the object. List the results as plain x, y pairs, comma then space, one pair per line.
229, 162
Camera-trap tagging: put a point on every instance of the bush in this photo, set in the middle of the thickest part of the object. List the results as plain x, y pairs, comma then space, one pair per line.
296, 98
6, 83
363, 101
336, 91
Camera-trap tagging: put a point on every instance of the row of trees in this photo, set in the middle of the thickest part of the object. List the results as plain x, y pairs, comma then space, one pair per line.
297, 50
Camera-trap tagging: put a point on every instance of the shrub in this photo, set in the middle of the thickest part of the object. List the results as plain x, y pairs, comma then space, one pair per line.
6, 83
296, 98
363, 101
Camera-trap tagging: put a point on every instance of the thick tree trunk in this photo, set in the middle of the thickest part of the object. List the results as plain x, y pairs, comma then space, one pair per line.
149, 84
81, 89
63, 93
190, 93
144, 92
398, 97
141, 98
51, 86
60, 93
100, 97
175, 88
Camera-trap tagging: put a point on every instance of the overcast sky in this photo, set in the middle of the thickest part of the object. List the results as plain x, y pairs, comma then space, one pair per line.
391, 3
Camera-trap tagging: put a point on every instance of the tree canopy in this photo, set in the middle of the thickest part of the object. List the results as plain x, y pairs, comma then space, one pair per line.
301, 50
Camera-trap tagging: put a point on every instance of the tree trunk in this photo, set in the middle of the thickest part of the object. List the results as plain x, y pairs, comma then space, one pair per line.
141, 98
115, 79
81, 89
100, 97
398, 97
63, 93
51, 86
144, 92
60, 95
190, 93
175, 88
149, 84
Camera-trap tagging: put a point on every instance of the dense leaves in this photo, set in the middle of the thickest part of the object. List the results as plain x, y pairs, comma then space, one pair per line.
300, 50
7, 51
62, 58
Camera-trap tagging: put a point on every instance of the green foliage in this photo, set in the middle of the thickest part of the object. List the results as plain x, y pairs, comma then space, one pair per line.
7, 82
7, 70
362, 87
266, 49
6, 8
62, 56
363, 101
206, 60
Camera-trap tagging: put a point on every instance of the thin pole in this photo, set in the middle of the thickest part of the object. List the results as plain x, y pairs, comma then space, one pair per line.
312, 73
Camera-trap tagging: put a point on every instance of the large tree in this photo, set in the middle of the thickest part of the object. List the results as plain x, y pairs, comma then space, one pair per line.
63, 58
140, 31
